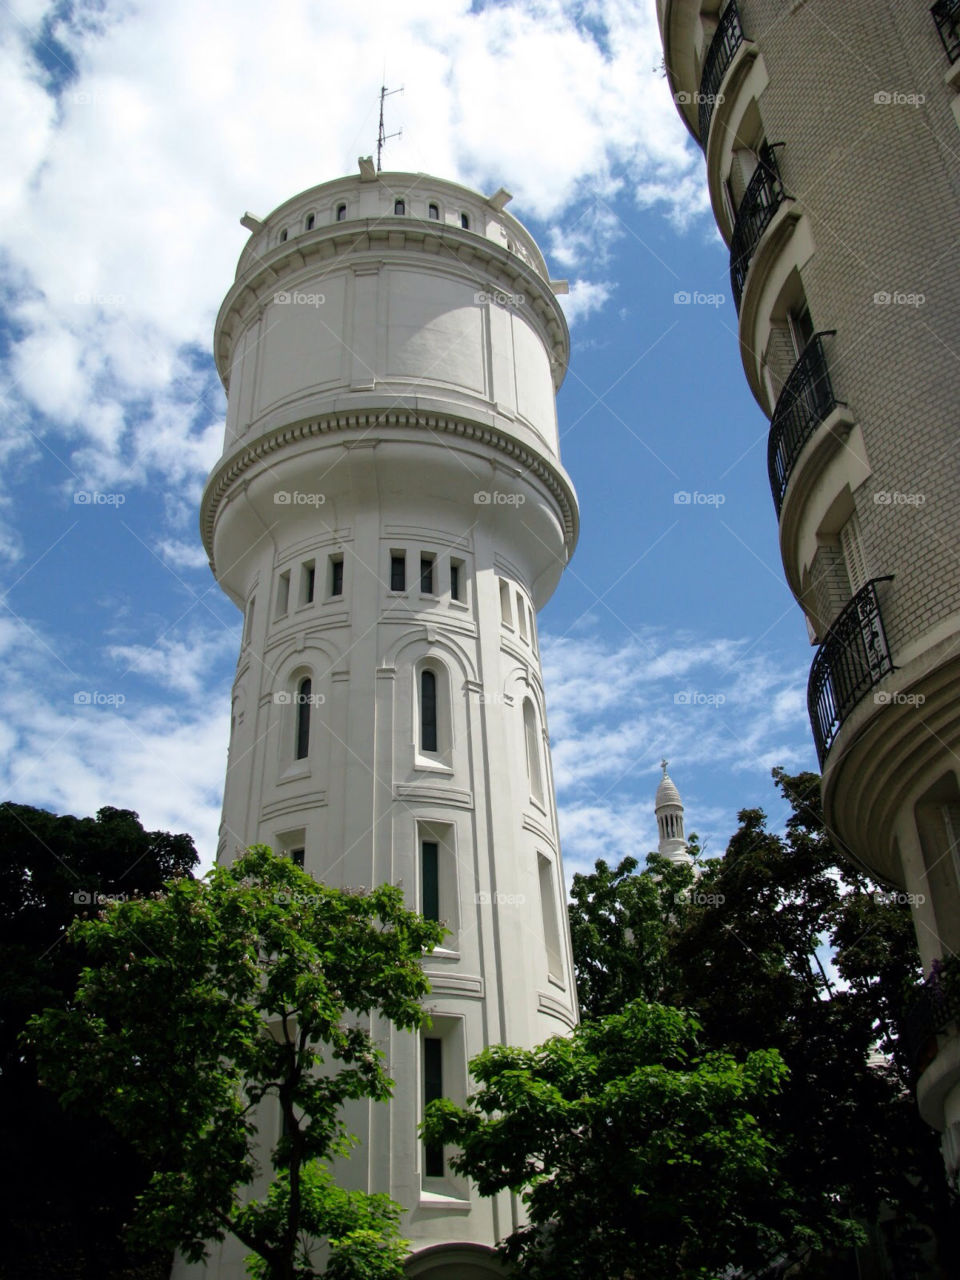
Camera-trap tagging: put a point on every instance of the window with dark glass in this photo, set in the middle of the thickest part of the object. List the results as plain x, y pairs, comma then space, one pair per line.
426, 575
311, 221
428, 711
432, 1091
336, 575
283, 234
308, 581
341, 212
398, 572
430, 878
455, 567
433, 212
465, 221
399, 206
297, 856
304, 696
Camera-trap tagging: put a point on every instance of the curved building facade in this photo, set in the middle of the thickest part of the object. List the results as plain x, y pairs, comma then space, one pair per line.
830, 132
390, 512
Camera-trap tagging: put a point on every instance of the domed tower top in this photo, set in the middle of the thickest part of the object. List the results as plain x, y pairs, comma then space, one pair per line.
669, 810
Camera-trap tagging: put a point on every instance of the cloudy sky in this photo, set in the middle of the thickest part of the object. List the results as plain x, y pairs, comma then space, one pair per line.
136, 135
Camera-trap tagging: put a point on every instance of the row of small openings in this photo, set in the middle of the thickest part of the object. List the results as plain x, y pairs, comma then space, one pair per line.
429, 575
526, 624
307, 585
399, 209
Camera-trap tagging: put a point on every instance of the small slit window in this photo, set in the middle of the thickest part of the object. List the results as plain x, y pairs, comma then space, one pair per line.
430, 879
427, 575
456, 580
336, 575
551, 922
297, 856
283, 594
465, 221
532, 740
506, 617
304, 699
521, 616
428, 710
311, 221
308, 581
398, 571
283, 235
433, 212
432, 1091
341, 213
400, 207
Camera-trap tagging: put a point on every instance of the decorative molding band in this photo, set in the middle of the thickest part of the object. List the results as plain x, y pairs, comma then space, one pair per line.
232, 468
443, 983
279, 808
436, 795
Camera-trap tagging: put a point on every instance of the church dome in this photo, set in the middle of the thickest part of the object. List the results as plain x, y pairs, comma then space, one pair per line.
667, 793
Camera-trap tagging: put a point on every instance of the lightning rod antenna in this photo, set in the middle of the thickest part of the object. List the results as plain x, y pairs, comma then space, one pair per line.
383, 137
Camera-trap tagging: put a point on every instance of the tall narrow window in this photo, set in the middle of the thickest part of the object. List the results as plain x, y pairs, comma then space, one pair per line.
533, 628
521, 616
398, 571
308, 581
433, 212
283, 235
341, 212
304, 697
248, 620
432, 1091
311, 221
551, 922
399, 206
430, 879
506, 617
336, 575
428, 710
465, 221
532, 740
851, 544
283, 594
456, 576
426, 575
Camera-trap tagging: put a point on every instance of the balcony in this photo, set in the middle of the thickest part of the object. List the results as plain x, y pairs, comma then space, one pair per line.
761, 200
727, 39
807, 399
853, 658
928, 1013
946, 14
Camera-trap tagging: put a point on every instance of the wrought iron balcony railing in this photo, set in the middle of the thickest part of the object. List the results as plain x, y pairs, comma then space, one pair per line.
727, 39
763, 197
928, 1012
853, 658
806, 400
946, 14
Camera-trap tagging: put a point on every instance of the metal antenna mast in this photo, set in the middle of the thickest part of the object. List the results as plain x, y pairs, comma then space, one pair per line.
381, 136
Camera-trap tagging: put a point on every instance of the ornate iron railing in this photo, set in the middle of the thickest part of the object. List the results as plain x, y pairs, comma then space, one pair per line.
946, 14
853, 658
727, 39
928, 1012
762, 198
805, 401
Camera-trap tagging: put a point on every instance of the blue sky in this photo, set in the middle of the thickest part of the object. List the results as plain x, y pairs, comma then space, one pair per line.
141, 133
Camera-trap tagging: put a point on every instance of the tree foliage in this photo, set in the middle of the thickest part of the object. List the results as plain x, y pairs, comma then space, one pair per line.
67, 1181
199, 1006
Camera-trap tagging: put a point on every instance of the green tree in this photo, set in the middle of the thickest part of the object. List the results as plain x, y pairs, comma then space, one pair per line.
200, 1005
635, 1149
67, 1182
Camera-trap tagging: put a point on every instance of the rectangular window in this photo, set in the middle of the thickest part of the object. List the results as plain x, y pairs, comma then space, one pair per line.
398, 571
283, 594
430, 879
432, 1090
426, 575
551, 923
297, 856
456, 579
533, 628
248, 620
336, 575
505, 615
851, 544
308, 581
522, 616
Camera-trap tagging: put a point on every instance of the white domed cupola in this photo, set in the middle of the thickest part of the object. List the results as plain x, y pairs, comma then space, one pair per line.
669, 811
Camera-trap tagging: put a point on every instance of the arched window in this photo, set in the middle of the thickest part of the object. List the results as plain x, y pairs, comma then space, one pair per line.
433, 212
311, 221
465, 221
399, 206
428, 710
283, 235
532, 738
304, 699
341, 212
